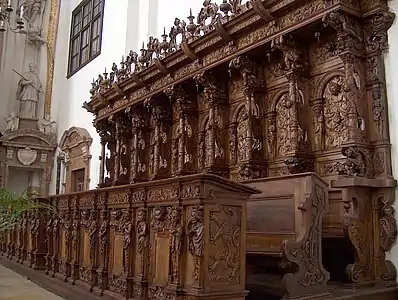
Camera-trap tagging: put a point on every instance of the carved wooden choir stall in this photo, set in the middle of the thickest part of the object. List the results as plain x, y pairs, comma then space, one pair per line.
246, 151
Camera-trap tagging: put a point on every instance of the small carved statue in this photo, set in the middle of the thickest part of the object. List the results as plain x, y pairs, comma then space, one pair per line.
178, 28
32, 11
195, 232
28, 93
47, 126
12, 122
142, 230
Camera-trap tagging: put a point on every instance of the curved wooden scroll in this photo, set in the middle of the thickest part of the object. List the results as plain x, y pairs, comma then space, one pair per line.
311, 277
188, 51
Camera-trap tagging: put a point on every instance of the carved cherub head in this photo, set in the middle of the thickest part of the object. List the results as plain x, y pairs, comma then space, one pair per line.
31, 67
141, 215
334, 88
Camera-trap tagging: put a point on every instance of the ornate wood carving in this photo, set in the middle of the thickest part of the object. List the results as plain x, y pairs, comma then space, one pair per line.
160, 148
212, 142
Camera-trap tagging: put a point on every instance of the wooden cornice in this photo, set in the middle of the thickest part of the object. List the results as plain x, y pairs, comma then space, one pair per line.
248, 31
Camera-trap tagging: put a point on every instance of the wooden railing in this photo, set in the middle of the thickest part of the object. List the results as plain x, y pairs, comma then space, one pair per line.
173, 237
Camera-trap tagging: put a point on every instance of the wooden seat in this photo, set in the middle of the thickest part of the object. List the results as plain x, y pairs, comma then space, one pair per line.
284, 224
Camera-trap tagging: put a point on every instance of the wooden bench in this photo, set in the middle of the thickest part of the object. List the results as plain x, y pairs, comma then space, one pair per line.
284, 234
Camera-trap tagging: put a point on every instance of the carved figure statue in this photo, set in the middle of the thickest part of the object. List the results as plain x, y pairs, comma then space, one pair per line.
335, 113
47, 126
196, 232
33, 35
32, 11
28, 93
12, 122
141, 230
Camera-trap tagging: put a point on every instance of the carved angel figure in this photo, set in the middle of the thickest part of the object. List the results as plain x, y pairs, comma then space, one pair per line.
47, 126
12, 122
195, 231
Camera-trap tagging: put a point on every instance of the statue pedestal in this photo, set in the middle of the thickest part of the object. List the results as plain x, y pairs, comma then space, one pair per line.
25, 123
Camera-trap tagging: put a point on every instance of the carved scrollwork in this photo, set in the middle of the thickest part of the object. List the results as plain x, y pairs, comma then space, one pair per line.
306, 252
225, 239
376, 31
355, 164
346, 28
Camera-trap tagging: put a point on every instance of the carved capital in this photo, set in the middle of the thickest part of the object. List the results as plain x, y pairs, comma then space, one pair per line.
247, 69
376, 38
293, 59
348, 35
212, 91
181, 98
355, 164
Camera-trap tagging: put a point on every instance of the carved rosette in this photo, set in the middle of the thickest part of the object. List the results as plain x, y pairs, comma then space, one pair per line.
195, 233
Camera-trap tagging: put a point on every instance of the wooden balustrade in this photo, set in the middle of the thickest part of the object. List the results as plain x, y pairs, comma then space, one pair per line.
172, 237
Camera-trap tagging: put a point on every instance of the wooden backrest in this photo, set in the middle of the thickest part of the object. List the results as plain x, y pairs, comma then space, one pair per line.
277, 213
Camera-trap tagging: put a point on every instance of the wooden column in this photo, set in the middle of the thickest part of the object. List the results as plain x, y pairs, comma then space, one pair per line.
213, 143
183, 151
139, 143
250, 165
160, 140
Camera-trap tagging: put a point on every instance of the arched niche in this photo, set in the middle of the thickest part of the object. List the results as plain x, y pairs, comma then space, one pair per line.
74, 160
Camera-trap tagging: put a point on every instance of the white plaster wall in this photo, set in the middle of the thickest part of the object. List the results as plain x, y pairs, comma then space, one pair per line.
391, 67
69, 94
127, 24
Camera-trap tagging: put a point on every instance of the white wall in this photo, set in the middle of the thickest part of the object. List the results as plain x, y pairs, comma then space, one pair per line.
127, 23
69, 94
391, 67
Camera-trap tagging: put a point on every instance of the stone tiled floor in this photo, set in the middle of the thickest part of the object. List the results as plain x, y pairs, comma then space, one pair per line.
16, 287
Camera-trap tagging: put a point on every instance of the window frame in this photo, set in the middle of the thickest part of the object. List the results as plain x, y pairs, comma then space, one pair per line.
78, 36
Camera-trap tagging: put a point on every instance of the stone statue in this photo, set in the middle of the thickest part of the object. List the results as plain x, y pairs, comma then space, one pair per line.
32, 10
28, 93
12, 122
47, 126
